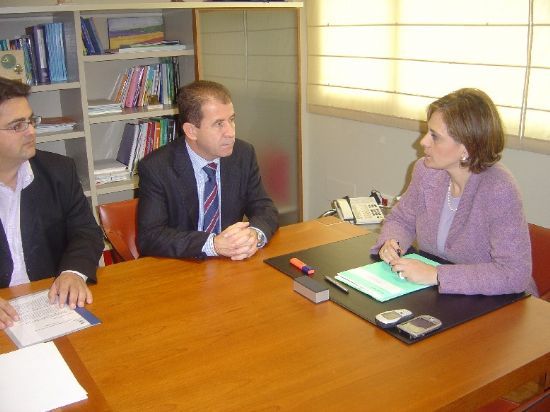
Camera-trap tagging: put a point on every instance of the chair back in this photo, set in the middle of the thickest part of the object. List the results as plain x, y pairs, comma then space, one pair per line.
119, 221
540, 252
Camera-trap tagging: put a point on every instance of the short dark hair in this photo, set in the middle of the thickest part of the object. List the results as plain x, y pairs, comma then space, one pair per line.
12, 88
472, 119
193, 96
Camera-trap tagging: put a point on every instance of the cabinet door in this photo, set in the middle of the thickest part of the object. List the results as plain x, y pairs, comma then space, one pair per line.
255, 54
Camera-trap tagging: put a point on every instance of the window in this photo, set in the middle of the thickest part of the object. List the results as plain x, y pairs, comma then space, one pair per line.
385, 61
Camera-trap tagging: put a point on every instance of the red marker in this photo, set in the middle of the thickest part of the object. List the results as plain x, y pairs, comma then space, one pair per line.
302, 266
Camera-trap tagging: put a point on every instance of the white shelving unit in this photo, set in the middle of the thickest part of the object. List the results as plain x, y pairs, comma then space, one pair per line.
92, 77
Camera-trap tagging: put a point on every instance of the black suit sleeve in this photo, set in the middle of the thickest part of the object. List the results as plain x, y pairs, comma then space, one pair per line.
84, 237
168, 208
58, 229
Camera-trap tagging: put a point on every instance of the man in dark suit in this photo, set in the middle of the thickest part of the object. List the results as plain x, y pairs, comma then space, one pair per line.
46, 225
185, 212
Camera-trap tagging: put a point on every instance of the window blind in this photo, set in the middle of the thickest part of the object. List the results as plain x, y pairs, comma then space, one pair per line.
385, 61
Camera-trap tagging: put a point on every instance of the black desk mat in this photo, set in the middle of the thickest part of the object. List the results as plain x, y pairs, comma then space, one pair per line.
336, 257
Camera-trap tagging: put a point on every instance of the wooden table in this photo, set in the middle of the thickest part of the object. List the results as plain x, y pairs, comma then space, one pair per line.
221, 335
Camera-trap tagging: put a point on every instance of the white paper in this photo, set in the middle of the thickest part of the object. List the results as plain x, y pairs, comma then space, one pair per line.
41, 321
37, 378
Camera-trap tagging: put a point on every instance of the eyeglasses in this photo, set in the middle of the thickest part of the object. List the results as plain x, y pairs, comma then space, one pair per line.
23, 125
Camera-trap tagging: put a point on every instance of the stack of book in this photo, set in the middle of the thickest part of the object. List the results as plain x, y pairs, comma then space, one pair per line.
125, 31
55, 125
43, 46
109, 170
150, 85
165, 45
141, 138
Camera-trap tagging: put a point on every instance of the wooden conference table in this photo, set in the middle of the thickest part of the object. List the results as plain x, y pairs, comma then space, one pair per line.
221, 335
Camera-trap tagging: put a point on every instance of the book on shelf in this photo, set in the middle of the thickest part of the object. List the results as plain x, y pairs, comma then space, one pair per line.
127, 143
141, 138
30, 59
98, 44
53, 33
36, 33
86, 39
152, 85
43, 47
90, 37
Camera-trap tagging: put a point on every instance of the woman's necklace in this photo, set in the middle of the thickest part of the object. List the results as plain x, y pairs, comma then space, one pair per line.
449, 199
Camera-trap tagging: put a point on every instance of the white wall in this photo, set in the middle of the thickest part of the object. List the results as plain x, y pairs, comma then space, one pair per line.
344, 157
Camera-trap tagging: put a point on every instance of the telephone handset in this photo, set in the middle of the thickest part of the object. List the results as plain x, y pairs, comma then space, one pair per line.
359, 210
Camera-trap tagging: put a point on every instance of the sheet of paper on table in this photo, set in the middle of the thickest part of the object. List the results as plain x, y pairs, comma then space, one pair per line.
37, 378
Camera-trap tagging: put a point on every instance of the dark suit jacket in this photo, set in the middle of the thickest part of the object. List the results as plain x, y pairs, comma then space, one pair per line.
168, 209
58, 229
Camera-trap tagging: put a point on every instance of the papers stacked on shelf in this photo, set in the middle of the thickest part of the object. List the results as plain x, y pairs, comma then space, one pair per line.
103, 106
55, 125
156, 46
109, 170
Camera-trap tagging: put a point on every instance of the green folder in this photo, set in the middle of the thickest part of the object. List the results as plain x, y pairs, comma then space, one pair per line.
378, 280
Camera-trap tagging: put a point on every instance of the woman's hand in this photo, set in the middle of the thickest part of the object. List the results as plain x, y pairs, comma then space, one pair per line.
415, 271
390, 251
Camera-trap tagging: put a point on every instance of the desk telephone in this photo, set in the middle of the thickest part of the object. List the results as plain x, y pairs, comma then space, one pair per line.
359, 210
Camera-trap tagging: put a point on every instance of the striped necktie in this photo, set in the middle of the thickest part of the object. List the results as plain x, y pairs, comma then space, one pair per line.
211, 202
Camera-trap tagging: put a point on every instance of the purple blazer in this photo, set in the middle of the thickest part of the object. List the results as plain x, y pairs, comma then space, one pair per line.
488, 239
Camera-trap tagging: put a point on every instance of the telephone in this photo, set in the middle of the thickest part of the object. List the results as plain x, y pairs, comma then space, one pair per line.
358, 210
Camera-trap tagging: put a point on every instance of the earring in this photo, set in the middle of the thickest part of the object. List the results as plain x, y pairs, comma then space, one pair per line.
464, 158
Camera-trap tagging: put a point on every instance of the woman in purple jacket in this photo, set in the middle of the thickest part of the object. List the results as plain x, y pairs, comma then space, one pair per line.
461, 205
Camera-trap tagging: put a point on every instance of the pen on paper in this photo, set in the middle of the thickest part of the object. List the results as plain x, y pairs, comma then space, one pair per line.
308, 270
399, 273
334, 283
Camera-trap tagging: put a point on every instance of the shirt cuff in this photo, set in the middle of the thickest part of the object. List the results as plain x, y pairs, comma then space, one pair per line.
208, 248
84, 277
262, 239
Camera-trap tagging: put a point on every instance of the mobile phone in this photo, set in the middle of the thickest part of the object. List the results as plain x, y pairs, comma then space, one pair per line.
419, 326
390, 318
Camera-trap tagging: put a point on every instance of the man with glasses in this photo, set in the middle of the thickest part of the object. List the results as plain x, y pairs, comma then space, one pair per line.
46, 225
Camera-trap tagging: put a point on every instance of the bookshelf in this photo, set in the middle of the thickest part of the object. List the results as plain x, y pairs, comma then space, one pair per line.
93, 76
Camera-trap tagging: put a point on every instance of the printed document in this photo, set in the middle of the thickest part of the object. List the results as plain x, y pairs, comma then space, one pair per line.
41, 321
37, 378
378, 280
